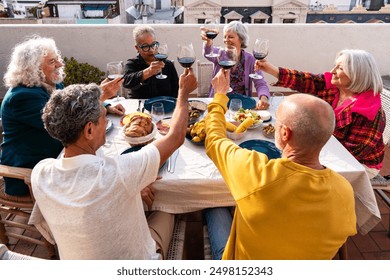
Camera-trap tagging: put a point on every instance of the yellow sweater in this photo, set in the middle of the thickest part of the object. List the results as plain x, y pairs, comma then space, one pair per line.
284, 210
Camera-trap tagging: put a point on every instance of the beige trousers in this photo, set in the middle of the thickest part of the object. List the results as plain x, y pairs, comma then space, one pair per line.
161, 228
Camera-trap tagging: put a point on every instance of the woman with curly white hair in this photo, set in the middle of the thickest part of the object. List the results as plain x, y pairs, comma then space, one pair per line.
36, 69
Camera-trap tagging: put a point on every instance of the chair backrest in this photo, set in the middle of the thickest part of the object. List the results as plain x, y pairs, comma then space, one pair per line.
205, 72
16, 211
385, 96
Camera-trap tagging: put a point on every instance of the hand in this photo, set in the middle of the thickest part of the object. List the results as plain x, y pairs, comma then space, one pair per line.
221, 81
155, 67
262, 104
118, 109
110, 88
147, 195
187, 81
267, 67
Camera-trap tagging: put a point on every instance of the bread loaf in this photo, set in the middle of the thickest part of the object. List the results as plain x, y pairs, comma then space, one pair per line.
138, 126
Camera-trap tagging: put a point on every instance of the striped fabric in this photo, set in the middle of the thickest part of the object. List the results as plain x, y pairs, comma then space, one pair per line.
361, 137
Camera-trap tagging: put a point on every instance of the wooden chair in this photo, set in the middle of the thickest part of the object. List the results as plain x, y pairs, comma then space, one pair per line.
15, 211
6, 254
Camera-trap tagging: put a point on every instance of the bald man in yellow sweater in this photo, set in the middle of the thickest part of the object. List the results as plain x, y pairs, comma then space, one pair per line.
287, 208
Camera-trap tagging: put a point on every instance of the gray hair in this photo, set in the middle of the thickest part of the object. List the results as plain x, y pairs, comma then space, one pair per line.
241, 30
69, 110
310, 118
26, 61
362, 70
140, 30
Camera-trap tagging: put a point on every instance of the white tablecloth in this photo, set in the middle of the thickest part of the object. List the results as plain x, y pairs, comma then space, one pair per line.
197, 184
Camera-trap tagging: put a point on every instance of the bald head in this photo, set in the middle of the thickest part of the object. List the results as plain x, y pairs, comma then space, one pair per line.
310, 119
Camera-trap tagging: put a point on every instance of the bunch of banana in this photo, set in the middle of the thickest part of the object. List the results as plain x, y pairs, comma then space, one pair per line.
197, 131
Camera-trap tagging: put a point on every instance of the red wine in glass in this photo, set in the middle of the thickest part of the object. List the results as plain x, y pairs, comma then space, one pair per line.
186, 62
226, 64
211, 34
259, 55
161, 57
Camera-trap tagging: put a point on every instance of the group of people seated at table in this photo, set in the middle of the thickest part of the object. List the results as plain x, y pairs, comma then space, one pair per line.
99, 197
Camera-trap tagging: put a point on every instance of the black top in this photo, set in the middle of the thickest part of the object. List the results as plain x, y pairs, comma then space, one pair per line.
151, 87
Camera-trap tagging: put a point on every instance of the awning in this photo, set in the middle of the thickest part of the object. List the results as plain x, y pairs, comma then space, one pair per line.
133, 12
178, 12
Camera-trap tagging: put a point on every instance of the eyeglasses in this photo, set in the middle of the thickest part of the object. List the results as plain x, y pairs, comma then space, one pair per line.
146, 47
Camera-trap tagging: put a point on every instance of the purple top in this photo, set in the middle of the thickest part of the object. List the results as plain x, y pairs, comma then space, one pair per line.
249, 62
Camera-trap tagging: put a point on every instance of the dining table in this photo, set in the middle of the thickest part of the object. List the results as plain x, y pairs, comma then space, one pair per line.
197, 184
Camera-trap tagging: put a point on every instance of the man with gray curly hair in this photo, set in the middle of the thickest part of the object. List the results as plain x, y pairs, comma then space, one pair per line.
98, 197
35, 70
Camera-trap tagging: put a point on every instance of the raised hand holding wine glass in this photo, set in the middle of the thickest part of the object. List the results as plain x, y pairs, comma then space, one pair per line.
186, 55
161, 54
211, 30
227, 58
260, 51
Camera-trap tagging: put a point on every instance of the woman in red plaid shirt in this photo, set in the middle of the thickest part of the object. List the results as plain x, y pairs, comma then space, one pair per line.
353, 90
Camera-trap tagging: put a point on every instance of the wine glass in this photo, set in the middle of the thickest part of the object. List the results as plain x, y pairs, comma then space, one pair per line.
211, 28
157, 111
227, 57
161, 54
115, 70
186, 55
234, 106
260, 51
276, 99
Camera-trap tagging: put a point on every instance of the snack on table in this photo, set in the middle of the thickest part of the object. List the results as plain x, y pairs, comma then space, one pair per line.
243, 114
163, 126
138, 126
197, 131
269, 131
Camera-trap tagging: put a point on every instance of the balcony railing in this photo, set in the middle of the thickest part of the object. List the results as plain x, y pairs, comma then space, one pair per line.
310, 47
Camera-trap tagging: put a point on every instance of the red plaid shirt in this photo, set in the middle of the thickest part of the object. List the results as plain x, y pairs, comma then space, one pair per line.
361, 135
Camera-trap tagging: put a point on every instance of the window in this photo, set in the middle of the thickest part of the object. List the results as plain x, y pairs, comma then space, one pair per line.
232, 19
201, 20
289, 20
259, 20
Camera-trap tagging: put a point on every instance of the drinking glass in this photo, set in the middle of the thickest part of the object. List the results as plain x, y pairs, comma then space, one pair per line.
260, 51
186, 55
234, 106
276, 98
211, 28
157, 111
227, 57
115, 70
161, 54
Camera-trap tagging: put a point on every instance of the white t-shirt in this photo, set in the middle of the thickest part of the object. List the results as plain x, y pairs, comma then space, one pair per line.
93, 205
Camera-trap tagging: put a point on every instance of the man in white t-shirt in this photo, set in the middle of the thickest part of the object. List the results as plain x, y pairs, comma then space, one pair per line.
92, 203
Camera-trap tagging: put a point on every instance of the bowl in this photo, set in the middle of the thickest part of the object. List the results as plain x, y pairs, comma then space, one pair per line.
234, 135
269, 131
142, 140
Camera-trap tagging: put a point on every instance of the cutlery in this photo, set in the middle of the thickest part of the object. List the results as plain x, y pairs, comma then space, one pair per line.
172, 161
139, 106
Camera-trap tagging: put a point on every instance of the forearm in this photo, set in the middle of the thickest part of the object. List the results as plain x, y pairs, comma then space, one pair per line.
304, 82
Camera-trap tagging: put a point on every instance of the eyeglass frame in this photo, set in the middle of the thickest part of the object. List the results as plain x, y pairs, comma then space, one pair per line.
146, 47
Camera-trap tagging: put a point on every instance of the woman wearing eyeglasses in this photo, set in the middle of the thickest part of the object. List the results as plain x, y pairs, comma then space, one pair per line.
140, 72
